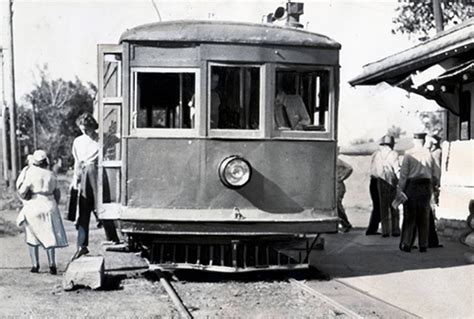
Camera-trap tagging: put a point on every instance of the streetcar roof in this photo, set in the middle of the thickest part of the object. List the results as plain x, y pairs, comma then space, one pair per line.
227, 32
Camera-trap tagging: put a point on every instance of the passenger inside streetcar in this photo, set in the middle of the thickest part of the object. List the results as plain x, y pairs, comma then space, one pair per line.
234, 97
215, 101
301, 100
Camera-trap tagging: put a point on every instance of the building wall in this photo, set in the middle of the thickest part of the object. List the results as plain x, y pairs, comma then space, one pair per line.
457, 180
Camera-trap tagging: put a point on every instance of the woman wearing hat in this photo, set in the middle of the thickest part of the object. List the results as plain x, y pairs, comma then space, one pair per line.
85, 150
40, 213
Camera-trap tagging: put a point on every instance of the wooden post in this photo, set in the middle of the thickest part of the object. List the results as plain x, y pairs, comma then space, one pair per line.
438, 15
10, 92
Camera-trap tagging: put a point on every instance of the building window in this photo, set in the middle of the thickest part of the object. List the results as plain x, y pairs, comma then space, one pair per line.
165, 100
302, 100
234, 95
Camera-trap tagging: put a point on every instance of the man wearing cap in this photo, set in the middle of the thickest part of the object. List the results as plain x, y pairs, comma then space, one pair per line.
418, 176
385, 169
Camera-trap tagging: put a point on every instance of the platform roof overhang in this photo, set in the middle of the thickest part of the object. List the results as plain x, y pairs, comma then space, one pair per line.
457, 42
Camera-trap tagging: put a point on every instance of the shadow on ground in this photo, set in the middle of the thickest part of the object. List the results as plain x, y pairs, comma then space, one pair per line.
354, 254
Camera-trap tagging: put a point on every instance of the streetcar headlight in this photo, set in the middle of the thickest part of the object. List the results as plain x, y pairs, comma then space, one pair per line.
234, 171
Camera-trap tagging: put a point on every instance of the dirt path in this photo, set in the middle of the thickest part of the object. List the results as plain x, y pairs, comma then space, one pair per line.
24, 294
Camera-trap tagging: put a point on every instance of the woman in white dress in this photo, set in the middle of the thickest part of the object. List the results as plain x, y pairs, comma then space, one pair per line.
40, 213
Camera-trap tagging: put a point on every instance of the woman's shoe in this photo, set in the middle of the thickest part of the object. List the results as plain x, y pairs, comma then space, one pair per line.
35, 269
53, 270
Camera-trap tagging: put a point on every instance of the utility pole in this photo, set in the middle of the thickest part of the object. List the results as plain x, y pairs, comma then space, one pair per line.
4, 122
33, 106
438, 15
10, 91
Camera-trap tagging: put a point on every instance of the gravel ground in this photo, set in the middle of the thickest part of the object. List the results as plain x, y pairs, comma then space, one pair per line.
259, 299
24, 294
27, 295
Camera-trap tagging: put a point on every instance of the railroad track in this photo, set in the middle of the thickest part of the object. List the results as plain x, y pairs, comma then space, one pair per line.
180, 307
185, 313
332, 302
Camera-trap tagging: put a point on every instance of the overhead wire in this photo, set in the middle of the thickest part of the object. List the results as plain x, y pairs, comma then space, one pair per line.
156, 9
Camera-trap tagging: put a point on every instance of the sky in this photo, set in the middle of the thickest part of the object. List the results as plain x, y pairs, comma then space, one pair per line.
64, 35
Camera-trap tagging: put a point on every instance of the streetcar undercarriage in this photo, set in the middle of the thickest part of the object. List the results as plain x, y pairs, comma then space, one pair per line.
226, 253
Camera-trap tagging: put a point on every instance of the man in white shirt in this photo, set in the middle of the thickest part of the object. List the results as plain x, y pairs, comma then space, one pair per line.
418, 176
384, 172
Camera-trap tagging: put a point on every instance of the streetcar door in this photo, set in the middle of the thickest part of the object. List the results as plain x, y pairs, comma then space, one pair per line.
110, 110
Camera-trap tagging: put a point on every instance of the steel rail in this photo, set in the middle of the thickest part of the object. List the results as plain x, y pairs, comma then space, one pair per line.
183, 311
365, 293
326, 299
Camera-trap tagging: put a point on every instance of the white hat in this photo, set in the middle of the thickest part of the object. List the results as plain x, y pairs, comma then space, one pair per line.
39, 156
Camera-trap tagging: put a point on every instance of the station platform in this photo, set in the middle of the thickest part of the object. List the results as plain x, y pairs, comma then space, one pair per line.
435, 284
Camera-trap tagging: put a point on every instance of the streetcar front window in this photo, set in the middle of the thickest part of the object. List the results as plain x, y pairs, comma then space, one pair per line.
165, 100
234, 97
302, 100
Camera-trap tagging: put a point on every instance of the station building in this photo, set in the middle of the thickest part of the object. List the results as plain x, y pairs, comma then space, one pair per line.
442, 69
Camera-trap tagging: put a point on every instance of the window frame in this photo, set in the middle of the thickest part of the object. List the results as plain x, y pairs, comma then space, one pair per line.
330, 126
164, 132
237, 133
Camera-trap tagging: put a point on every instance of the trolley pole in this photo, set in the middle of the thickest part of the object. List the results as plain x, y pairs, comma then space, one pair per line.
10, 91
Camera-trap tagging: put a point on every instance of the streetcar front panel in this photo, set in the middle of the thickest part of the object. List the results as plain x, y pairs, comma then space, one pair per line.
196, 96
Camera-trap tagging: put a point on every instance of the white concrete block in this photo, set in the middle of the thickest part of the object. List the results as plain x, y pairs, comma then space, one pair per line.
87, 271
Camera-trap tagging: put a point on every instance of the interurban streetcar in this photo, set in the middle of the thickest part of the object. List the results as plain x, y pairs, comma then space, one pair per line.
219, 142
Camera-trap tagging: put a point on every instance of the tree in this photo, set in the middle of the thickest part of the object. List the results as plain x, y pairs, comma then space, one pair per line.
416, 17
433, 122
57, 105
395, 131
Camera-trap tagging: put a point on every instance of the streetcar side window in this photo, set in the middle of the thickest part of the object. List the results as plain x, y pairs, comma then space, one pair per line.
301, 100
165, 100
234, 97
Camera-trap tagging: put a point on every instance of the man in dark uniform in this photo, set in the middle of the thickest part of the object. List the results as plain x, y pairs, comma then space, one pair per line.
418, 177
